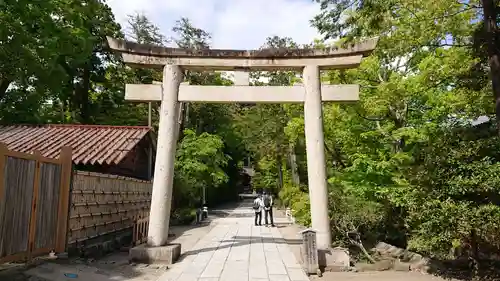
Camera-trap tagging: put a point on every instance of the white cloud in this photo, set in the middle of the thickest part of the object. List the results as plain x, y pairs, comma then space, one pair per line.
234, 24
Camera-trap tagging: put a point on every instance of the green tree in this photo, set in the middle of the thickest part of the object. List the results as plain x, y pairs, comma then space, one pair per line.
52, 59
263, 126
407, 144
213, 119
200, 163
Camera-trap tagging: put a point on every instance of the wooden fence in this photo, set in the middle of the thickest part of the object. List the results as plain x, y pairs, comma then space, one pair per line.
34, 201
103, 204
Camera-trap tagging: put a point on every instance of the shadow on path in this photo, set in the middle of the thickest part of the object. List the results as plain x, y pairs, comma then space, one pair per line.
245, 240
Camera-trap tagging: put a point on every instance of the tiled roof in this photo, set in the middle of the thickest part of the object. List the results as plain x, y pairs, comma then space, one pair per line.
91, 144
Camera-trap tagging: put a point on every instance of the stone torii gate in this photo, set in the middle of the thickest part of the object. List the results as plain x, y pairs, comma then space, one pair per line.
174, 61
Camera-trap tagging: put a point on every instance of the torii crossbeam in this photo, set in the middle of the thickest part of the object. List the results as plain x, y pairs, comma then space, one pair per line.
174, 61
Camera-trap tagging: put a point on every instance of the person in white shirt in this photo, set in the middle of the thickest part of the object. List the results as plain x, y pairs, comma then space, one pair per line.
257, 207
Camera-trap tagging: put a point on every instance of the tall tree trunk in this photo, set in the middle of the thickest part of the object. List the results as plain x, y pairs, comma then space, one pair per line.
183, 118
280, 172
61, 103
84, 95
490, 24
68, 100
4, 85
294, 166
180, 120
186, 114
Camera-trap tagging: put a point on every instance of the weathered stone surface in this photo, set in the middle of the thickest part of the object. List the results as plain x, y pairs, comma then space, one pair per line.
242, 94
340, 256
364, 48
335, 260
421, 265
416, 261
401, 266
164, 254
382, 265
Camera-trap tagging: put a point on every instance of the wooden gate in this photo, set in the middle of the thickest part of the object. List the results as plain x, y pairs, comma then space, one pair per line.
140, 231
34, 201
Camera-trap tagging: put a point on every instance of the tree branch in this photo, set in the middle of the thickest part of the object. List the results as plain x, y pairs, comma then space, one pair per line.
336, 156
370, 118
447, 45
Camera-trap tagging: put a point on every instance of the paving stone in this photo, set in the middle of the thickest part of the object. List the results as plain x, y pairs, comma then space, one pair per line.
258, 272
236, 250
297, 274
276, 268
281, 277
188, 277
213, 269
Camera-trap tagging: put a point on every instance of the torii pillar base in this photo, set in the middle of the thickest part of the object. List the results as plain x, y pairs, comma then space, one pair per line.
167, 255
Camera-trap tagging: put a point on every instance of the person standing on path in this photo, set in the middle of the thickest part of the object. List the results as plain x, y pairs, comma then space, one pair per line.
257, 207
268, 208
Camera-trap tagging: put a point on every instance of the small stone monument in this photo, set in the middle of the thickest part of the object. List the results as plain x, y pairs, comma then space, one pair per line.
310, 252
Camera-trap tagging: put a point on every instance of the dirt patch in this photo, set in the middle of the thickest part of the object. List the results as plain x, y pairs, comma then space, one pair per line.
110, 267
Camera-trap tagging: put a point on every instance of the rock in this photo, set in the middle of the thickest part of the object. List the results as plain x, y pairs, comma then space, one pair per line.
382, 265
416, 261
401, 266
335, 259
421, 265
335, 268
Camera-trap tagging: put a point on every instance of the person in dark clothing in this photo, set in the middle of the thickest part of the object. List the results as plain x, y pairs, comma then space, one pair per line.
268, 208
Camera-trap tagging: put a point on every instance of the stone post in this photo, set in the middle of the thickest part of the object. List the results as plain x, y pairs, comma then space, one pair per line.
315, 146
161, 200
241, 78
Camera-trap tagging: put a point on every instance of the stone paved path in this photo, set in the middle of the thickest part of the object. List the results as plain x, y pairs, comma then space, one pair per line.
236, 250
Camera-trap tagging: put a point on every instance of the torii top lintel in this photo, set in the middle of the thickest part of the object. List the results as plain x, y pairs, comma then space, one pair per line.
266, 59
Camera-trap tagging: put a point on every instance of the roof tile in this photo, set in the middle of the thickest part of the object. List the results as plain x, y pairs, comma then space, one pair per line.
91, 144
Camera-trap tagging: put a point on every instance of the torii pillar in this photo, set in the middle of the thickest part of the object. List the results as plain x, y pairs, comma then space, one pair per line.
315, 148
174, 61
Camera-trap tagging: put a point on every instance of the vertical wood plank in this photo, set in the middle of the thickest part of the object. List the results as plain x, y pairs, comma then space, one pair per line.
3, 150
36, 188
3, 159
63, 211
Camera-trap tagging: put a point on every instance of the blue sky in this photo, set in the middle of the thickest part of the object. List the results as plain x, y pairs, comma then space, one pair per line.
235, 24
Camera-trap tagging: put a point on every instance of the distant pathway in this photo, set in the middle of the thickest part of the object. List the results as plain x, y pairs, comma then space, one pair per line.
236, 250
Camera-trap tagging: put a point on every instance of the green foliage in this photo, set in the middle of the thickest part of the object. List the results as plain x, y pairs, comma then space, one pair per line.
297, 200
406, 165
53, 61
201, 160
183, 216
210, 127
54, 69
266, 177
